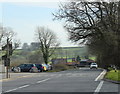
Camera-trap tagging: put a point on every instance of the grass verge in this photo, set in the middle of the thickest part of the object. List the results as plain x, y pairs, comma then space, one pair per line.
112, 75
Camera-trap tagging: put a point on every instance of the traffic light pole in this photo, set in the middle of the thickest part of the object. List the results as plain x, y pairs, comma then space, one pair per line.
7, 72
66, 56
8, 56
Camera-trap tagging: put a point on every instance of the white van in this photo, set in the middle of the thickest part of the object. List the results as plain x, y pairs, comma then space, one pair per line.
93, 65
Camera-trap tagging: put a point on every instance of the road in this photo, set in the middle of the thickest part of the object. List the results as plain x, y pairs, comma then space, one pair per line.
78, 81
2, 68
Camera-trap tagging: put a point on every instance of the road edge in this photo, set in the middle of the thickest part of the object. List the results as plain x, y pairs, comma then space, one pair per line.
101, 75
112, 81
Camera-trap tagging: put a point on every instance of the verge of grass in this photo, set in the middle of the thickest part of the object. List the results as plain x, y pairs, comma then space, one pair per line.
112, 75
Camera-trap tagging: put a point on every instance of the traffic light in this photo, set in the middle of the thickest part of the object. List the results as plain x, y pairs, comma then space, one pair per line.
4, 47
9, 51
7, 62
4, 57
10, 46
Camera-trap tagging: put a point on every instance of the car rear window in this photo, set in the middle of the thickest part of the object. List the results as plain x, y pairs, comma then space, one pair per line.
22, 65
29, 65
38, 65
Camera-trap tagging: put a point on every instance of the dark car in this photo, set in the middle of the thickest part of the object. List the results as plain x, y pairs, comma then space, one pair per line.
39, 67
26, 68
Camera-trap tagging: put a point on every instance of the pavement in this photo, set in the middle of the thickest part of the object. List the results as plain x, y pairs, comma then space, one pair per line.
79, 81
13, 76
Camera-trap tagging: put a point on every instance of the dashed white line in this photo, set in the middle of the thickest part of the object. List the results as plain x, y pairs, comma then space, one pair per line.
26, 85
59, 76
23, 86
98, 87
17, 88
43, 80
11, 90
101, 75
68, 73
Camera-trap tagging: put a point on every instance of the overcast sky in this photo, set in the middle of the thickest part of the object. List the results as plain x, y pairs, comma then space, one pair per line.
24, 17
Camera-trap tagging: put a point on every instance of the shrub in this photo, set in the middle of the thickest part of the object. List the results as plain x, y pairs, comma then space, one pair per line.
18, 62
61, 67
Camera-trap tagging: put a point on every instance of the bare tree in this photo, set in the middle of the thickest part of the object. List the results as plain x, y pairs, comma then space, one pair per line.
96, 24
1, 32
25, 46
48, 42
9, 35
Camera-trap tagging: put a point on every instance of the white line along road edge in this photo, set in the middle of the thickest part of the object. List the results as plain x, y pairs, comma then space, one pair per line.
101, 75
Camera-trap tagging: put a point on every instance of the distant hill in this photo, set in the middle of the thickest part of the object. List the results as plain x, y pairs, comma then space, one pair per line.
72, 51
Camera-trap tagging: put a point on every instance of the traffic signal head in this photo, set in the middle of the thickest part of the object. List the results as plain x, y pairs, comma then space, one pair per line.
4, 57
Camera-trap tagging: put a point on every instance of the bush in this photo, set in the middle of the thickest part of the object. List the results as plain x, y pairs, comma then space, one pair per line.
61, 67
18, 62
110, 68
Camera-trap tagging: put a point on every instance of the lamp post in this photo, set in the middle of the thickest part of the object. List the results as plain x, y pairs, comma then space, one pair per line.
66, 56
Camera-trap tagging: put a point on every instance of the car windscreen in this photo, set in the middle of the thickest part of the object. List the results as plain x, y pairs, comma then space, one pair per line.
94, 64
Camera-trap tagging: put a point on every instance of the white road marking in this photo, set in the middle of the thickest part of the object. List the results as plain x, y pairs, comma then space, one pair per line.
59, 76
27, 85
84, 68
98, 87
101, 75
43, 80
17, 88
11, 90
23, 86
68, 73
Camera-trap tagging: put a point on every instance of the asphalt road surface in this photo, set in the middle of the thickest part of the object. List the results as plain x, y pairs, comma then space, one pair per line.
78, 81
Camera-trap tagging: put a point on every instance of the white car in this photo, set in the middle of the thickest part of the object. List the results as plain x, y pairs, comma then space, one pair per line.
93, 65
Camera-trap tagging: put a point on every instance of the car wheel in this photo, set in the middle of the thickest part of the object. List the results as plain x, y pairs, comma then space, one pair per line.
41, 71
19, 70
31, 70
